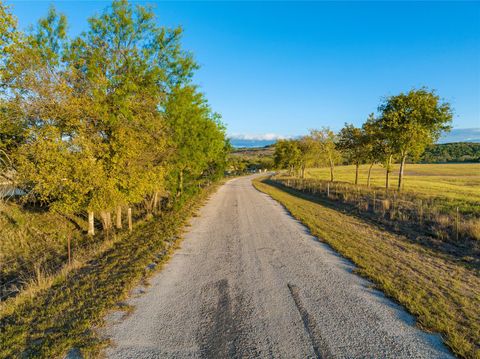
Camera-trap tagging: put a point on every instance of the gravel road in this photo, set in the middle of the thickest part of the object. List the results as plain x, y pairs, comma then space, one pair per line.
251, 282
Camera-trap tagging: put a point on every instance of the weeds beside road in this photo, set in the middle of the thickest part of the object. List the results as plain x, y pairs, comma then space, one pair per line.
444, 294
64, 316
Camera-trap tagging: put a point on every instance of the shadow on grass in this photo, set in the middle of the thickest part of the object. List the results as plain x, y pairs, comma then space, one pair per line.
465, 252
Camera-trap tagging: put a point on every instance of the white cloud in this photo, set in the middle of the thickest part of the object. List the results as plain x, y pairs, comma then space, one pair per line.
259, 137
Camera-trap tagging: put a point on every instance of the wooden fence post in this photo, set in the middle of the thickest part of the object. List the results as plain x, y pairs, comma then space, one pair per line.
421, 212
118, 222
129, 215
69, 250
392, 216
457, 220
91, 227
328, 190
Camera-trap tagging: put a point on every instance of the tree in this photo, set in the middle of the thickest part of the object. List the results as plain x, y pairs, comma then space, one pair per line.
376, 148
308, 151
287, 155
327, 152
352, 142
91, 112
124, 66
412, 121
198, 144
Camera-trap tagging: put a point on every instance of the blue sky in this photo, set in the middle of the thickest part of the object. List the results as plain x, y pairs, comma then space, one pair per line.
285, 67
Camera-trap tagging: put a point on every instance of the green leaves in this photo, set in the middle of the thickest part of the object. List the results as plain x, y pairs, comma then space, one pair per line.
411, 121
101, 120
198, 145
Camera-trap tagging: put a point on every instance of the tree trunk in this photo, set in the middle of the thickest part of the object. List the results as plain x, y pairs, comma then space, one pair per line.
400, 173
106, 220
356, 173
118, 222
149, 203
369, 172
91, 227
331, 170
156, 201
303, 171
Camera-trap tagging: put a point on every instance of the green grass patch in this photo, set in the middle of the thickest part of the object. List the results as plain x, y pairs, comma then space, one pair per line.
65, 315
442, 293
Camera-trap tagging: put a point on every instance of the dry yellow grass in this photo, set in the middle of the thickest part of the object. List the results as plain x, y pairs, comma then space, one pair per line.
459, 183
441, 292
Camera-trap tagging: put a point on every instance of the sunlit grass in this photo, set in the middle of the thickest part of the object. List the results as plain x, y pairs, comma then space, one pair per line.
457, 183
441, 292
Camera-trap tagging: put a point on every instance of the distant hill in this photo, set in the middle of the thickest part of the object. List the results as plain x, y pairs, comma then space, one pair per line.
250, 143
254, 151
452, 152
461, 135
438, 153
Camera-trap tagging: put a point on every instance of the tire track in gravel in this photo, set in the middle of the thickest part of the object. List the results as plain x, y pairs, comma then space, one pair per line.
319, 345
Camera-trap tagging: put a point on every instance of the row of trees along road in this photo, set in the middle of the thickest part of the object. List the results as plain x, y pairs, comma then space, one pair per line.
406, 124
105, 120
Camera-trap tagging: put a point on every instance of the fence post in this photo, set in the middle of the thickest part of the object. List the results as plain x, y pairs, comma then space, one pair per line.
328, 190
421, 212
69, 250
457, 219
374, 200
91, 227
118, 222
129, 215
393, 204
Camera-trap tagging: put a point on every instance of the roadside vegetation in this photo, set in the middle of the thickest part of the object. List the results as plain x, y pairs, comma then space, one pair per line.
414, 229
97, 132
442, 291
446, 202
66, 315
106, 148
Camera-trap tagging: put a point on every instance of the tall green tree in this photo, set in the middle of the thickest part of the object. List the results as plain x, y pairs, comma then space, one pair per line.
198, 144
287, 155
352, 142
125, 65
11, 133
327, 153
377, 148
37, 97
308, 153
95, 133
411, 121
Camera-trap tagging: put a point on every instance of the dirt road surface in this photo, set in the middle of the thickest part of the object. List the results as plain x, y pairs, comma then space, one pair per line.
250, 282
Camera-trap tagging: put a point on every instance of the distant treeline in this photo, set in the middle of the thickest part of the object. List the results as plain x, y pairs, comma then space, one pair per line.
451, 152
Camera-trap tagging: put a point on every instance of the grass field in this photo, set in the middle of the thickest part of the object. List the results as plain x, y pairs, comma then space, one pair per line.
440, 291
459, 184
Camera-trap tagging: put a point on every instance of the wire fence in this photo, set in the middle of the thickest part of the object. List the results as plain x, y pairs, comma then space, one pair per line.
17, 272
393, 206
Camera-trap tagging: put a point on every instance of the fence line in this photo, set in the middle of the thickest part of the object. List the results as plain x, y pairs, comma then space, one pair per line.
390, 205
